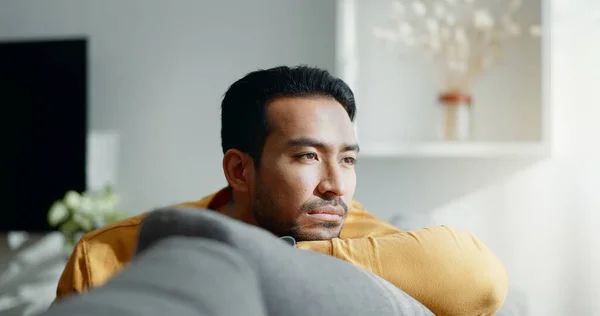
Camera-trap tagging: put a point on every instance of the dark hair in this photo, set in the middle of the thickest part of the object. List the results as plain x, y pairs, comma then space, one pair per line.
244, 124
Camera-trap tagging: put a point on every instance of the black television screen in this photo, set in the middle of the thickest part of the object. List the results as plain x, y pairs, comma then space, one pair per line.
43, 98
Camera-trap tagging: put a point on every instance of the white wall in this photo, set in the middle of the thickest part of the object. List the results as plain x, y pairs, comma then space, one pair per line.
158, 70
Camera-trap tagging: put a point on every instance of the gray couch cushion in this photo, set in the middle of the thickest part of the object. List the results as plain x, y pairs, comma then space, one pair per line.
292, 281
177, 276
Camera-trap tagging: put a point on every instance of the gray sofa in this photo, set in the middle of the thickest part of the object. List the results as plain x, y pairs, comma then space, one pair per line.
198, 262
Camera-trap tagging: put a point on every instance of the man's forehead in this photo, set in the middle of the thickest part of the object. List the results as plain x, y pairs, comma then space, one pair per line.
306, 112
320, 120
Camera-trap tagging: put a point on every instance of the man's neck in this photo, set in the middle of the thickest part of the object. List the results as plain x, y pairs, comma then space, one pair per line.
232, 210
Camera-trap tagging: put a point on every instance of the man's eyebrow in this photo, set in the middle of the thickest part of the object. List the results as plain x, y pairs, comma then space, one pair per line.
352, 147
310, 142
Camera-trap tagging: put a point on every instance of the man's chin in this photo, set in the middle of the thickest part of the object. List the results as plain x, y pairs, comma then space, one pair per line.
317, 234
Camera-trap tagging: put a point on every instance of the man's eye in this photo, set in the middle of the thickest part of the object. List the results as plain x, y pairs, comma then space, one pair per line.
308, 156
349, 160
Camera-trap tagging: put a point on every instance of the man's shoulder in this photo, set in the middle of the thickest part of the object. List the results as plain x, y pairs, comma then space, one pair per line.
128, 223
111, 246
122, 231
115, 229
99, 255
102, 253
109, 249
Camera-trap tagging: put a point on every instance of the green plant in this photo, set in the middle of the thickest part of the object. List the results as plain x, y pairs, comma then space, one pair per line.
78, 213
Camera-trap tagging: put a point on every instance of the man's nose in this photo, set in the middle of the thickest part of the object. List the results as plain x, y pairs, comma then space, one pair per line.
332, 180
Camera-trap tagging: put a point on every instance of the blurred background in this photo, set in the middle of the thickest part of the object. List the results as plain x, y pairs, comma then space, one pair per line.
477, 114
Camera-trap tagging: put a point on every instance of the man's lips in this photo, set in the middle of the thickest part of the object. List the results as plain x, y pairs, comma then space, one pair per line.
327, 214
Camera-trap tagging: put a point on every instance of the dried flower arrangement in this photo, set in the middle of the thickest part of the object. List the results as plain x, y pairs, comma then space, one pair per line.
465, 36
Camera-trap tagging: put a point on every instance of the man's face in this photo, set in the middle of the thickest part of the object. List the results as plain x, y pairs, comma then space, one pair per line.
306, 178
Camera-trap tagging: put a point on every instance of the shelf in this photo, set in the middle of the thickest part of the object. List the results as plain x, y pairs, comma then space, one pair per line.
454, 149
396, 96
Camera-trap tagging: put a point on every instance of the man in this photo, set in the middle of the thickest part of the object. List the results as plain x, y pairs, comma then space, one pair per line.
289, 155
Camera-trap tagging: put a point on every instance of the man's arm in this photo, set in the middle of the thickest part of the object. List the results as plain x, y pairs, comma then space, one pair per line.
360, 224
447, 269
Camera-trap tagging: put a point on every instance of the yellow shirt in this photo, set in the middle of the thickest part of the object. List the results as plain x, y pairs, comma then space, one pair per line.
446, 269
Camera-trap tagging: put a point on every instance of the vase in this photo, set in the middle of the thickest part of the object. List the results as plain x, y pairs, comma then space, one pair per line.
455, 110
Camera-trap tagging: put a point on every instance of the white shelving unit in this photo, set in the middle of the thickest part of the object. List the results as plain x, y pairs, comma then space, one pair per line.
396, 104
457, 149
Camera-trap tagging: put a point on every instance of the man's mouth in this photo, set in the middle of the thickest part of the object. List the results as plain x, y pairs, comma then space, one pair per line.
327, 214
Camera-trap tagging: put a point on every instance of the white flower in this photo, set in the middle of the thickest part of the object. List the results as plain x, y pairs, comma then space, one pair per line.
419, 8
58, 212
83, 222
72, 200
432, 25
439, 10
106, 205
483, 20
450, 19
87, 204
103, 206
406, 29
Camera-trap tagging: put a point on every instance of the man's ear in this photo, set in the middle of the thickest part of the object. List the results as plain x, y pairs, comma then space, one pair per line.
238, 168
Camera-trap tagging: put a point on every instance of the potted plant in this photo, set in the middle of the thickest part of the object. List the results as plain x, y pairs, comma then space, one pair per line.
79, 213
